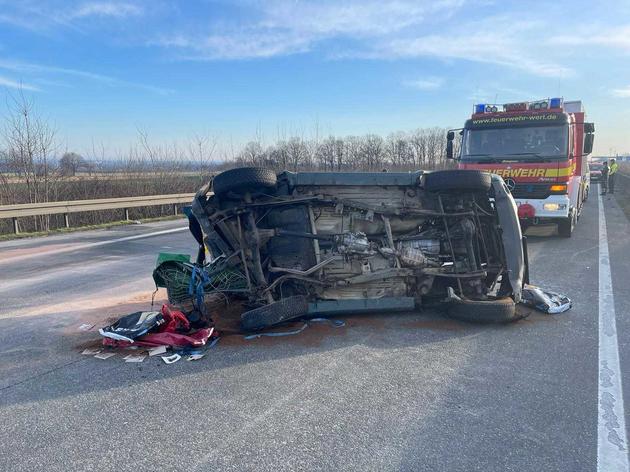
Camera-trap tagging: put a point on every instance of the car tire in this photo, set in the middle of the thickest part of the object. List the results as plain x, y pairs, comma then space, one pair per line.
457, 180
501, 310
243, 180
269, 315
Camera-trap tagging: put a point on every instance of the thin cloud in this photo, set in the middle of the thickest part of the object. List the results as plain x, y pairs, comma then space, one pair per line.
614, 37
374, 30
6, 82
426, 84
488, 47
30, 68
284, 28
622, 92
45, 18
246, 45
104, 9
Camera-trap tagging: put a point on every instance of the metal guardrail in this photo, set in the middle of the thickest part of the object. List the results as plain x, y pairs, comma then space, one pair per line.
75, 206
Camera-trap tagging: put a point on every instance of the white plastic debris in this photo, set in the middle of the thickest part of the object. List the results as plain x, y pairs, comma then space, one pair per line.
545, 300
105, 355
171, 359
194, 357
134, 358
91, 352
154, 351
86, 327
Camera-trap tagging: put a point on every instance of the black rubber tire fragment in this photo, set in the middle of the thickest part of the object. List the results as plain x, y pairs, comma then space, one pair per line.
501, 310
268, 315
243, 180
457, 180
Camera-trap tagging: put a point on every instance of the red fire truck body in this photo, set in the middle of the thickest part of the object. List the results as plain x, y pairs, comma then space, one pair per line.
540, 149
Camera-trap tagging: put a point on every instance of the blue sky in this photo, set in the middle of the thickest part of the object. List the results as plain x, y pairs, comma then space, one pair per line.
100, 70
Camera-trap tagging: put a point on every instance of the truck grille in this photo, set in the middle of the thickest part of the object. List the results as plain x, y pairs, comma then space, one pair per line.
535, 191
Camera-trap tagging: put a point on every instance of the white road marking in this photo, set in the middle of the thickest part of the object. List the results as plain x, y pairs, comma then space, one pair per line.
78, 247
612, 444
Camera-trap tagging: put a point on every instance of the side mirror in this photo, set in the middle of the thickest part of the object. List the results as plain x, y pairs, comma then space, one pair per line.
588, 143
450, 136
589, 127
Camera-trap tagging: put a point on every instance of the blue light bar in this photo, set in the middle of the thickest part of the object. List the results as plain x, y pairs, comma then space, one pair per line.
555, 103
480, 108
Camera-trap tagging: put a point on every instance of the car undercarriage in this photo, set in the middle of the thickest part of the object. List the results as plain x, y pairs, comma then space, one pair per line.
313, 243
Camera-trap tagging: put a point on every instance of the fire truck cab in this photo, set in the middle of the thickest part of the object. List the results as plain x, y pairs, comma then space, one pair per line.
540, 149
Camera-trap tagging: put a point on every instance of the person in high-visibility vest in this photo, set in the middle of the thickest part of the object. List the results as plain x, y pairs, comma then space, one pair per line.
611, 175
604, 178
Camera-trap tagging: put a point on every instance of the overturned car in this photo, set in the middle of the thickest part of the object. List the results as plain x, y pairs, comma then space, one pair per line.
291, 245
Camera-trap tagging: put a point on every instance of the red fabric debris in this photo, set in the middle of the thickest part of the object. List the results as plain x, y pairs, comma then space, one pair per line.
198, 338
175, 321
168, 334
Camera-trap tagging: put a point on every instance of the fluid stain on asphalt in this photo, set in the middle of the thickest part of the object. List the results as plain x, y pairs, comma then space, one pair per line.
312, 336
317, 332
89, 344
438, 324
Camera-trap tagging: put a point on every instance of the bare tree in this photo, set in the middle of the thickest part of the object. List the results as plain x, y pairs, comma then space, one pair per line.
201, 149
297, 153
29, 144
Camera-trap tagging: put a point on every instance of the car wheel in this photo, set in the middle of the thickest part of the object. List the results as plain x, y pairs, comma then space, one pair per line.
457, 180
243, 180
268, 315
501, 310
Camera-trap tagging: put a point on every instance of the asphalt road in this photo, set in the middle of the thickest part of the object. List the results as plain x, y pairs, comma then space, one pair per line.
403, 392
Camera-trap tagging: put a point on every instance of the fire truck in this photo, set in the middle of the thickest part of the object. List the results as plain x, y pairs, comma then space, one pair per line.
540, 149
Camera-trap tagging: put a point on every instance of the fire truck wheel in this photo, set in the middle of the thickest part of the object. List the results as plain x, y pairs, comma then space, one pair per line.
268, 315
457, 180
243, 180
501, 310
566, 225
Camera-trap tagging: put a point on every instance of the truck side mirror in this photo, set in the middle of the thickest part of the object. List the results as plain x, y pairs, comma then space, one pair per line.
589, 127
450, 136
588, 143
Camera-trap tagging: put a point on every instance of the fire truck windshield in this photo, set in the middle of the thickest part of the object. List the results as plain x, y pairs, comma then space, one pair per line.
517, 143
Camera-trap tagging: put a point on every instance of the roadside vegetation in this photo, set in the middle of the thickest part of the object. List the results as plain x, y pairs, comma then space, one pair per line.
622, 187
35, 168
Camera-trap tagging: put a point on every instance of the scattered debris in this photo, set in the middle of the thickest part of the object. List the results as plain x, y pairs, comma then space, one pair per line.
133, 326
194, 357
86, 327
157, 350
91, 352
545, 300
171, 359
333, 323
105, 355
274, 334
135, 358
170, 339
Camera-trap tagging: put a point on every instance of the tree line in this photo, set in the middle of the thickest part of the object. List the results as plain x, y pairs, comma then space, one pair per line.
423, 148
34, 167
